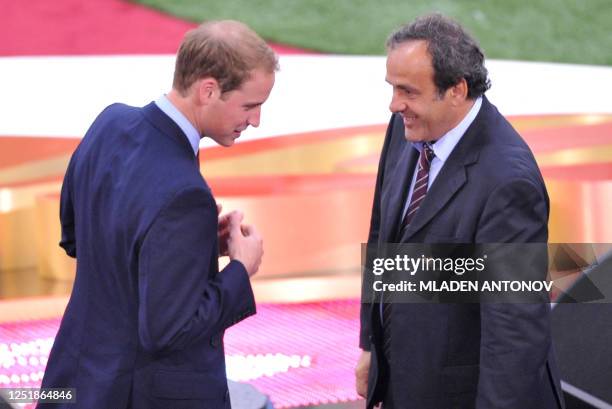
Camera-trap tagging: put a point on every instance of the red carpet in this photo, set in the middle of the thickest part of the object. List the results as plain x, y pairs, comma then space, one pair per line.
77, 27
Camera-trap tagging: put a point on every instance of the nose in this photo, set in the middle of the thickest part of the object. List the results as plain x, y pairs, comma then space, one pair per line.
396, 105
254, 118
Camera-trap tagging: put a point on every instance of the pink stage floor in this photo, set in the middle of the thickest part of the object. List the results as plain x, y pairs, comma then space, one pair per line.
297, 354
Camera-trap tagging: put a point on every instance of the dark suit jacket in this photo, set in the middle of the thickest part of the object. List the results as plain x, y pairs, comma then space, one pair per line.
144, 325
464, 355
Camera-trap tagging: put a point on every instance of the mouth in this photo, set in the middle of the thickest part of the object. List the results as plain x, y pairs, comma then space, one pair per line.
409, 120
238, 131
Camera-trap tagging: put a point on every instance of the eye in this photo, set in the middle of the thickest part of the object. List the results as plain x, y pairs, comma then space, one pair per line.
407, 92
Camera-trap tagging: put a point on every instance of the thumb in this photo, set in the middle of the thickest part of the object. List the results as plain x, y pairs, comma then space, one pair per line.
247, 229
235, 220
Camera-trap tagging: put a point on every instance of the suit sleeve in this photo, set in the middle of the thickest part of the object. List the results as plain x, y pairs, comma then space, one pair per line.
515, 337
366, 330
68, 240
182, 298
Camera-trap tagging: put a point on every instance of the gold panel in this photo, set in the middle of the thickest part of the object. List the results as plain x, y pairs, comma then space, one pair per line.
313, 158
53, 262
34, 170
576, 156
17, 230
308, 233
524, 123
579, 211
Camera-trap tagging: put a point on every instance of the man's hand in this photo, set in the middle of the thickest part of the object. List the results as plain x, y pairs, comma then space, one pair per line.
223, 230
245, 245
361, 374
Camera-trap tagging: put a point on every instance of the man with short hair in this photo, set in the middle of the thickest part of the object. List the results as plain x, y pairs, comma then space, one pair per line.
145, 322
453, 170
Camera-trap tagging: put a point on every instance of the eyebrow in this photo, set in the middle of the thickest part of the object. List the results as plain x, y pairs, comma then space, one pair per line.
403, 87
252, 104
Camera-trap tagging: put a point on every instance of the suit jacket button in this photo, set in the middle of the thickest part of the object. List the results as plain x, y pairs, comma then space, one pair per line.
214, 341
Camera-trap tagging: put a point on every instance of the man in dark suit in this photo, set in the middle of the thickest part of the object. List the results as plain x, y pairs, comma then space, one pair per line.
453, 170
145, 322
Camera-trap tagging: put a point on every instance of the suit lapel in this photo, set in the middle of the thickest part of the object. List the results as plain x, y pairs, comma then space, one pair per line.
449, 181
397, 189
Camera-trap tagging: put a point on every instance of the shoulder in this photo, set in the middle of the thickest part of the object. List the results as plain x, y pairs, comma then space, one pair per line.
504, 162
116, 116
503, 150
118, 110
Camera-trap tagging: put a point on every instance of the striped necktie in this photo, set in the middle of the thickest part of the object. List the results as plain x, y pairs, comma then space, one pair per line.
420, 186
418, 194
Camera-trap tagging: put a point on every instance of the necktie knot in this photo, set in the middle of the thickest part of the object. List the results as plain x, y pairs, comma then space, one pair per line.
428, 153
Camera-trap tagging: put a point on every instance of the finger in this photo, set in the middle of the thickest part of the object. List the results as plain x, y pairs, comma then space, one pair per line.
227, 218
235, 223
223, 221
219, 208
224, 234
253, 232
236, 217
247, 229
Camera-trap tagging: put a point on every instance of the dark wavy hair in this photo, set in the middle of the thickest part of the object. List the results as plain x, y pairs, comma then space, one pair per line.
455, 54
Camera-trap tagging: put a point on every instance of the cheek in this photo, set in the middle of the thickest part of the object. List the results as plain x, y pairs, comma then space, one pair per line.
418, 108
435, 113
237, 117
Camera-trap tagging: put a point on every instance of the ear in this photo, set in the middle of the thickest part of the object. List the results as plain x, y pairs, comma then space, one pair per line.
207, 90
459, 91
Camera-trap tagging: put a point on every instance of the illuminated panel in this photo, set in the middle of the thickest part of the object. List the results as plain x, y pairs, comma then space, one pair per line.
298, 354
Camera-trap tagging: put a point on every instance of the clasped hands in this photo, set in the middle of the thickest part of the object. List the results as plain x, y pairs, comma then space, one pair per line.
239, 241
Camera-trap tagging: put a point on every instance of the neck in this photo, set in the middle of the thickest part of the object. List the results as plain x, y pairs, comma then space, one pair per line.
185, 106
463, 110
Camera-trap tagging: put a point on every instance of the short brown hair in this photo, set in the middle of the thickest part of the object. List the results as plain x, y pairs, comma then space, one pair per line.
225, 50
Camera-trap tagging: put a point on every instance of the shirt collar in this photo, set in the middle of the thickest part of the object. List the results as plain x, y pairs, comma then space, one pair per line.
188, 129
445, 145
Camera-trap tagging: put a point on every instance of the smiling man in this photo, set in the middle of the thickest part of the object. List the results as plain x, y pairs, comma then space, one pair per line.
145, 322
453, 170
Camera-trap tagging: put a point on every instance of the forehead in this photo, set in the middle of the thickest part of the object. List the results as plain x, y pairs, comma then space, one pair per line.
259, 80
410, 58
257, 86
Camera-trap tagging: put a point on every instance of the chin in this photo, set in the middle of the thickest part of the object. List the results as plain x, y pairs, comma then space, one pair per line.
412, 137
